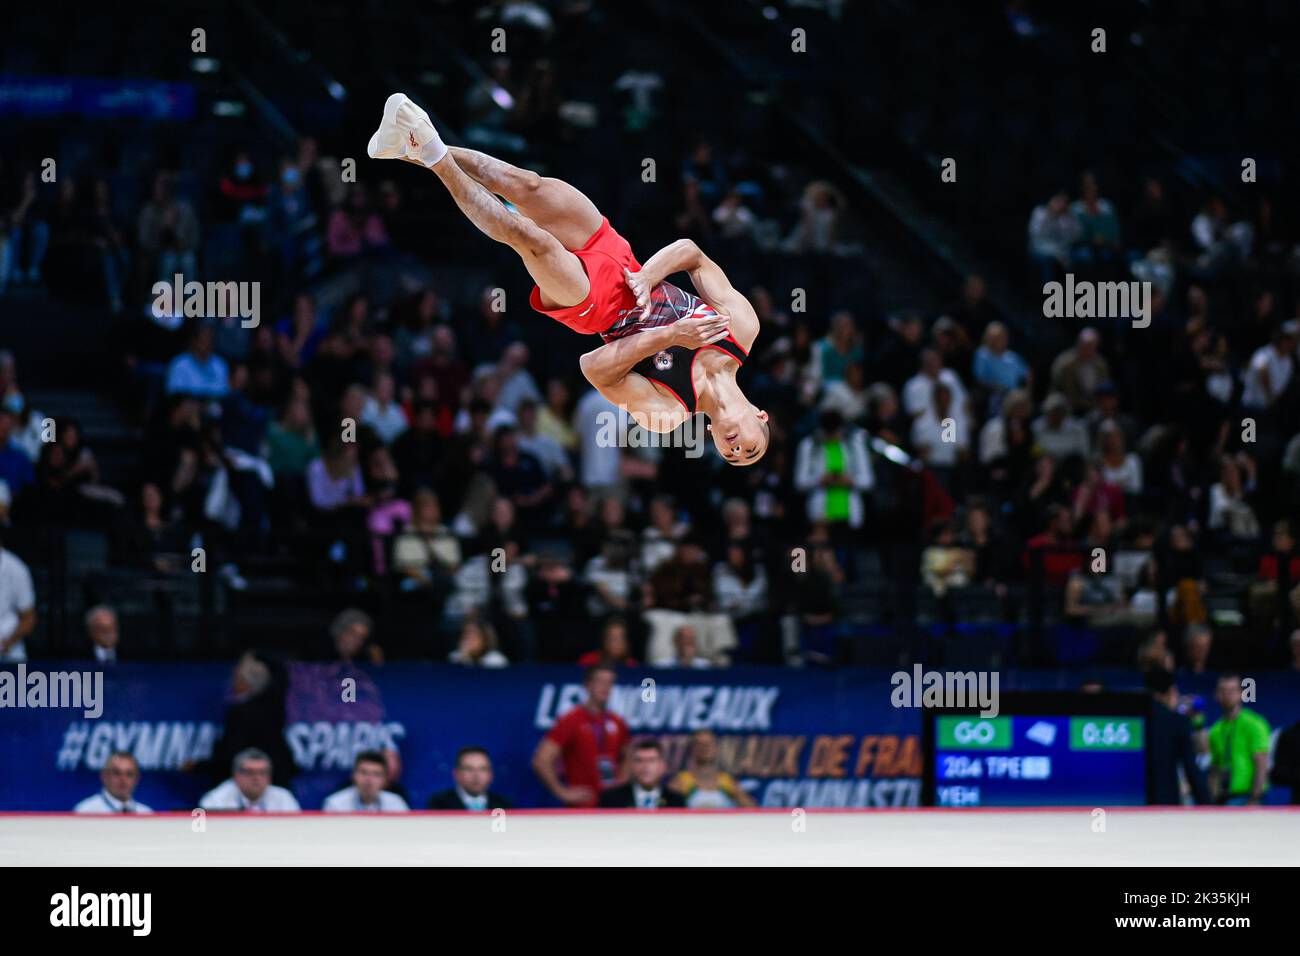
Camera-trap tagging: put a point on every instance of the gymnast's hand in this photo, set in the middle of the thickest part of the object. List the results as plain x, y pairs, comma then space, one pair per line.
696, 333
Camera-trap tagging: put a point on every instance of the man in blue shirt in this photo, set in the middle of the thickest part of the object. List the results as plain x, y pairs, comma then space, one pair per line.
197, 371
15, 467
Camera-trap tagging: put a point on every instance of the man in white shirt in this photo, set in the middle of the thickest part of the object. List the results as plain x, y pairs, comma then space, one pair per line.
249, 788
367, 793
940, 434
119, 777
918, 393
1270, 369
1057, 432
17, 605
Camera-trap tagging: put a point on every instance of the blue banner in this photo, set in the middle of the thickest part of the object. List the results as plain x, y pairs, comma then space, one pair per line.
792, 738
51, 96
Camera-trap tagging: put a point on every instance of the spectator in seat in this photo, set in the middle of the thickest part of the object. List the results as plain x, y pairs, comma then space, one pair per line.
1095, 494
997, 368
811, 635
1098, 222
334, 480
291, 442
1154, 653
900, 353
918, 393
198, 371
24, 231
820, 211
388, 511
1270, 369
515, 382
1231, 513
381, 410
1198, 642
840, 348
740, 591
1096, 598
1118, 467
355, 227
833, 469
1056, 547
686, 644
848, 396
151, 535
885, 418
419, 450
520, 477
249, 788
102, 629
590, 741
1078, 371
615, 650
168, 232
542, 446
953, 345
703, 783
480, 582
300, 335
350, 632
118, 779
1106, 412
973, 310
17, 605
1264, 590
477, 646
555, 417
426, 554
610, 575
368, 793
16, 469
109, 244
473, 785
661, 536
941, 437
945, 565
1054, 231
243, 192
1057, 432
646, 789
556, 600
679, 592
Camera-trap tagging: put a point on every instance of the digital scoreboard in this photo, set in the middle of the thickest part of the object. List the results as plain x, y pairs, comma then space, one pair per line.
1042, 749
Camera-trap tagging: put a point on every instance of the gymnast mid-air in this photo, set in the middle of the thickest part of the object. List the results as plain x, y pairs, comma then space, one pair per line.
667, 353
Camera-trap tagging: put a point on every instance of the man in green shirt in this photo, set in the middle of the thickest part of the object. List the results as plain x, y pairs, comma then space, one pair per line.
1238, 748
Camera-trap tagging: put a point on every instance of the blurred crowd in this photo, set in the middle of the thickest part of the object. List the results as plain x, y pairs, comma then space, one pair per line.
419, 451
